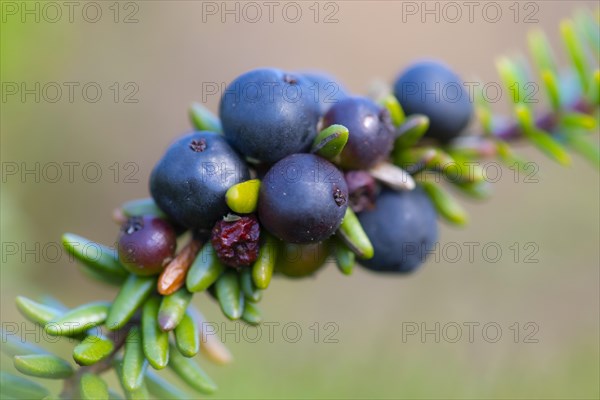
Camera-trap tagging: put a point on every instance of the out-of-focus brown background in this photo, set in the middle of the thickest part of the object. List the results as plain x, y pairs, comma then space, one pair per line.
167, 56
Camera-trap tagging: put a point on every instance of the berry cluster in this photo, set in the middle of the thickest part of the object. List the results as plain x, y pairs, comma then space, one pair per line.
293, 172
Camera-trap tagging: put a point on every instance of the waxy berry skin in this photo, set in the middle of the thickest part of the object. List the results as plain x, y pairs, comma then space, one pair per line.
303, 199
433, 89
268, 114
190, 181
146, 244
371, 131
325, 89
402, 228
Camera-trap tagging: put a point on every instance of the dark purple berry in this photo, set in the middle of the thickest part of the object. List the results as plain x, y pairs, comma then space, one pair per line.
303, 199
190, 181
146, 244
236, 242
371, 131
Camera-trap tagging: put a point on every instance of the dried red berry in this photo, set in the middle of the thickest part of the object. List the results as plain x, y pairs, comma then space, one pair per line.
361, 189
236, 242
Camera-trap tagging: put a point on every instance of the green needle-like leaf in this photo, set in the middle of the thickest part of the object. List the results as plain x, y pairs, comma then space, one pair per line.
584, 145
589, 28
156, 341
576, 52
191, 373
17, 387
229, 295
205, 270
391, 103
344, 257
251, 292
262, 269
484, 112
36, 312
541, 51
92, 387
93, 349
411, 130
540, 138
100, 261
578, 121
172, 309
354, 236
243, 197
131, 296
79, 319
140, 393
330, 142
552, 89
15, 345
43, 366
508, 157
477, 190
187, 336
140, 207
463, 169
161, 388
134, 361
445, 204
252, 314
509, 75
595, 88
203, 119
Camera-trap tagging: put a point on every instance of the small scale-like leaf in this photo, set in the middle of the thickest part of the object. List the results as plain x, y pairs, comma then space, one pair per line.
251, 292
391, 103
262, 269
99, 260
463, 169
205, 270
411, 130
92, 387
242, 198
140, 393
539, 138
43, 366
172, 309
252, 314
187, 336
354, 236
92, 349
161, 388
445, 204
477, 190
134, 362
191, 373
37, 312
230, 297
156, 341
131, 296
140, 207
344, 257
542, 51
330, 142
204, 120
17, 387
509, 75
79, 319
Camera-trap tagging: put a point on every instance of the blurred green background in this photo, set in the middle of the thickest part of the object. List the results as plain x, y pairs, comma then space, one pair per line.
164, 60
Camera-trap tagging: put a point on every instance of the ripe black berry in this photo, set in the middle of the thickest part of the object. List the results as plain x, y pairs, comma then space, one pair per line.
268, 114
190, 181
433, 89
371, 131
402, 228
303, 199
236, 241
325, 89
146, 244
